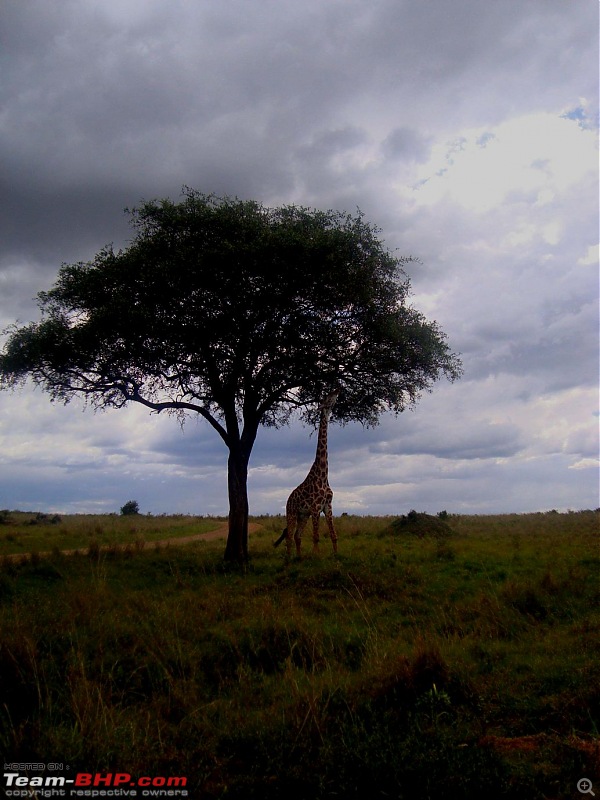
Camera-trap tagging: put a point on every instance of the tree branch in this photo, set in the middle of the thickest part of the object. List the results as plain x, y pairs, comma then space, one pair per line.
175, 405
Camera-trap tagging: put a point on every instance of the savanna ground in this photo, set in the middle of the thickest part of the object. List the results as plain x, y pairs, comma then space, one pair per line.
424, 662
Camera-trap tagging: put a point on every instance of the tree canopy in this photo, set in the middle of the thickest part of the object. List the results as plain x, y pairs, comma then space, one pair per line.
237, 312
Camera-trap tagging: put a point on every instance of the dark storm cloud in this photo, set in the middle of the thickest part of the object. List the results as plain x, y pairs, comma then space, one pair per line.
406, 144
109, 95
461, 440
331, 103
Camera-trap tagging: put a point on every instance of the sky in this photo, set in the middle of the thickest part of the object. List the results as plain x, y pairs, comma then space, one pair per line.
466, 131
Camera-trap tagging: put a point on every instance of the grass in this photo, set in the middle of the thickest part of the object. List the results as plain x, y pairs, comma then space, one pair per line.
35, 532
412, 666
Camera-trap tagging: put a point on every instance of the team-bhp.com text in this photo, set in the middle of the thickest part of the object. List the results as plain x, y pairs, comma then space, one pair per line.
86, 784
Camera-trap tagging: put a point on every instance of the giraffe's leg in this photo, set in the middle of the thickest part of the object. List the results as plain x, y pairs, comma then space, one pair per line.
315, 523
329, 519
291, 524
301, 524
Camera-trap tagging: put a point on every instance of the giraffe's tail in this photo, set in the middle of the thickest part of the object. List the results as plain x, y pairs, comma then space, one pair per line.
281, 538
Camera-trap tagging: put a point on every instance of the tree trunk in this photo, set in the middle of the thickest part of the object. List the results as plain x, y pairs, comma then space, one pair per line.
237, 479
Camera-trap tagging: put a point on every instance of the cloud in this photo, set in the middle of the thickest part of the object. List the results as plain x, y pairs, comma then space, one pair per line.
534, 156
467, 132
406, 144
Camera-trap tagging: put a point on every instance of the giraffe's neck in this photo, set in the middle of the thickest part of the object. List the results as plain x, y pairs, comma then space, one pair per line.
321, 456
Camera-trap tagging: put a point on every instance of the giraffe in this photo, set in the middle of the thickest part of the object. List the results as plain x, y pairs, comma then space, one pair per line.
313, 495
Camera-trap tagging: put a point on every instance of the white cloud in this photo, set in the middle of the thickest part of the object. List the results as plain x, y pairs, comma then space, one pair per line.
535, 156
586, 463
591, 256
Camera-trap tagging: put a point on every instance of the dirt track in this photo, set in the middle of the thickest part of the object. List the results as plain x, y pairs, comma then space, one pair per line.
218, 533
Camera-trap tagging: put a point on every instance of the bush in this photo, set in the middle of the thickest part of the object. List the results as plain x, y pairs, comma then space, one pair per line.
45, 519
131, 507
421, 525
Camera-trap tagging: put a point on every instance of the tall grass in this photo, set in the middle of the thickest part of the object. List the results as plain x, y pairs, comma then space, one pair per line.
27, 532
408, 667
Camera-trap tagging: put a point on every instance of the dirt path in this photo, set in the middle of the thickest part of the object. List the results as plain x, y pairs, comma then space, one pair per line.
218, 533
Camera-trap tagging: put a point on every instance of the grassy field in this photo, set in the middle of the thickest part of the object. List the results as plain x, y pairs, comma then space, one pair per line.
422, 663
36, 532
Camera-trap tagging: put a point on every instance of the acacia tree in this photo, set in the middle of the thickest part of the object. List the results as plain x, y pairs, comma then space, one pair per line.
239, 313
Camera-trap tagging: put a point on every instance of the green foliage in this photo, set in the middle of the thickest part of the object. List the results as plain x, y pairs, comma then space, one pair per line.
223, 300
389, 672
130, 508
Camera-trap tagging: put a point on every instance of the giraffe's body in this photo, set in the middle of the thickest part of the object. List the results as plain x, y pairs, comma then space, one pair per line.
313, 496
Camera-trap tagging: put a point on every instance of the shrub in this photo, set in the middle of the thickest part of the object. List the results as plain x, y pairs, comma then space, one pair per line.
420, 525
45, 519
131, 507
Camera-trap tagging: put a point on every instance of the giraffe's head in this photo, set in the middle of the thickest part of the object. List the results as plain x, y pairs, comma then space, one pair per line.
328, 403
